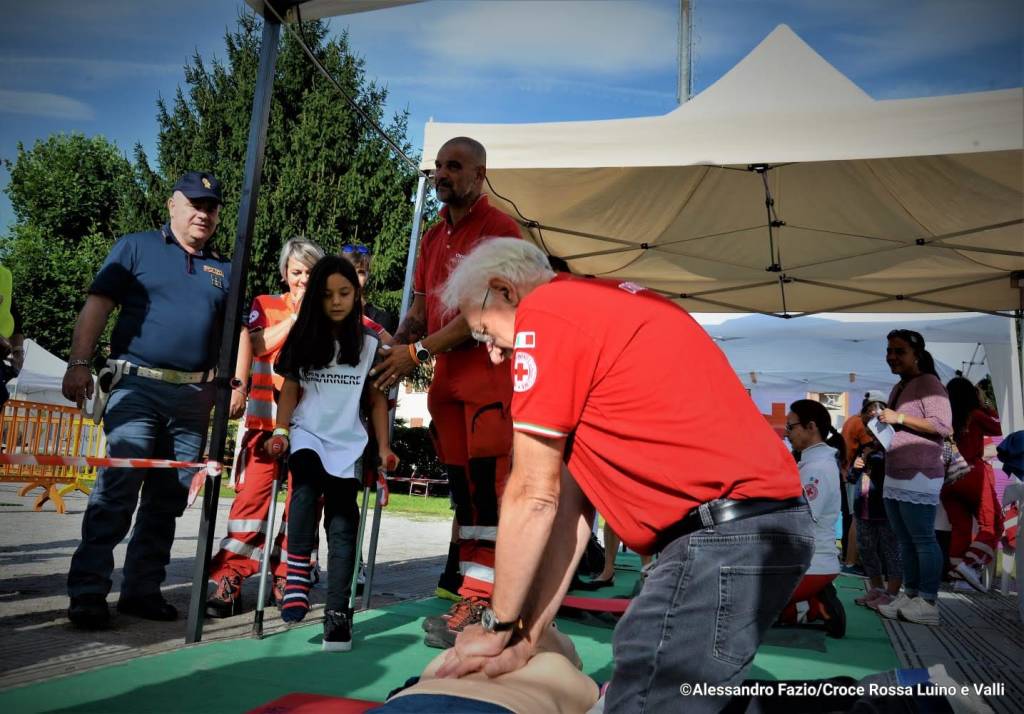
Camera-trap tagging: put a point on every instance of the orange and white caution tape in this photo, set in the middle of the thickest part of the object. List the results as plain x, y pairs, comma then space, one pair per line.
211, 468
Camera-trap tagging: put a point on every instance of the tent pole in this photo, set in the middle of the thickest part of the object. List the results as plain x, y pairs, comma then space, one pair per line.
254, 155
414, 240
685, 89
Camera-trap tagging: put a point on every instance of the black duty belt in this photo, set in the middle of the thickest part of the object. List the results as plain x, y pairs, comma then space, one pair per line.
724, 510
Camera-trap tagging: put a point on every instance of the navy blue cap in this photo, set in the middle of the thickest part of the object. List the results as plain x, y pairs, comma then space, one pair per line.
199, 184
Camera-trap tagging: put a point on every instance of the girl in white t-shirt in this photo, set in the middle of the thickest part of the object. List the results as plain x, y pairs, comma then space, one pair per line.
325, 362
821, 448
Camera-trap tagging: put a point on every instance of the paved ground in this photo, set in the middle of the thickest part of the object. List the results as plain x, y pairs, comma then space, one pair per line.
37, 642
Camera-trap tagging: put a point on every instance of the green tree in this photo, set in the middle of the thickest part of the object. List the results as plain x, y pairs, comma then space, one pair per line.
326, 174
72, 196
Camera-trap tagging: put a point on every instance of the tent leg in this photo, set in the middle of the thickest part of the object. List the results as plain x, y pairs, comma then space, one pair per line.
255, 153
414, 240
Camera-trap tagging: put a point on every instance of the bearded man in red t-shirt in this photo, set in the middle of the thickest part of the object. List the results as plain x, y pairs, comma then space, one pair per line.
469, 395
666, 444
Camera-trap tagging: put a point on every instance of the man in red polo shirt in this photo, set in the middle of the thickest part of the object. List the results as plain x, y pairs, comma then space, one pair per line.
469, 395
666, 444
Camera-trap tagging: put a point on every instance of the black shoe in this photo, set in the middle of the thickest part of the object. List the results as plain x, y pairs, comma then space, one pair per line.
835, 624
337, 631
596, 584
89, 612
148, 607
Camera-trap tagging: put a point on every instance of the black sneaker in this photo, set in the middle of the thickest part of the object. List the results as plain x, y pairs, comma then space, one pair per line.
337, 631
835, 624
89, 612
148, 607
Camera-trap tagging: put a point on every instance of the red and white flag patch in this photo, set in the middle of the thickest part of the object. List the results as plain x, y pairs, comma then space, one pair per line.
525, 340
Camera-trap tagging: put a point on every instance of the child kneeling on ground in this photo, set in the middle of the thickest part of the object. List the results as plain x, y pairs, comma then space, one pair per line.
325, 362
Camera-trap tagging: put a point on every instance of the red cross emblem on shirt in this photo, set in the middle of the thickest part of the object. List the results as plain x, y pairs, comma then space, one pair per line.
524, 371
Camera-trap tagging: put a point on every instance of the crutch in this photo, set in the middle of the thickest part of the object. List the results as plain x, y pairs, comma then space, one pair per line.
382, 496
268, 549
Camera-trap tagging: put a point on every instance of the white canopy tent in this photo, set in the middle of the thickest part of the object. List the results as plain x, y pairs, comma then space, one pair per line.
40, 378
889, 206
784, 189
812, 365
976, 343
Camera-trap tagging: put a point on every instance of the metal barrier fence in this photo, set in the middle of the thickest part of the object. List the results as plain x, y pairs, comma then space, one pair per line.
52, 429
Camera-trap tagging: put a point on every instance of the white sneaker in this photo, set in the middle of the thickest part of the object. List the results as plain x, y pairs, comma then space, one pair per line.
921, 612
973, 576
891, 611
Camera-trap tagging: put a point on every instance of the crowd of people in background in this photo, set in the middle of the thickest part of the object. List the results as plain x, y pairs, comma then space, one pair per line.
917, 520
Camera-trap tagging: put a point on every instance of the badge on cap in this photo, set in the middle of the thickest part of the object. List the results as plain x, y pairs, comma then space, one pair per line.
206, 182
524, 372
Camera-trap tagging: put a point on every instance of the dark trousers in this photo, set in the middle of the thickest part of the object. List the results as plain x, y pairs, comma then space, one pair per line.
145, 418
341, 520
703, 610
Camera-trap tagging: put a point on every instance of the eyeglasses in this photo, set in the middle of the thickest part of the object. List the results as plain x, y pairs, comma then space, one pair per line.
790, 427
361, 249
480, 335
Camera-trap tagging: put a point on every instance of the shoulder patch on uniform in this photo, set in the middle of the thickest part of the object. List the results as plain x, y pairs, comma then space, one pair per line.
525, 340
524, 372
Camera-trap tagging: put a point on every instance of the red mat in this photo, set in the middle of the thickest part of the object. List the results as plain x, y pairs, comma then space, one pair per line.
314, 704
616, 605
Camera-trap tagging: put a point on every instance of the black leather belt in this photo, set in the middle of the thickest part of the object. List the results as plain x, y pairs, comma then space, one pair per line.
721, 511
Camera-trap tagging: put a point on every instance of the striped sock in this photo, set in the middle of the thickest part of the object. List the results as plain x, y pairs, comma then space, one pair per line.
296, 591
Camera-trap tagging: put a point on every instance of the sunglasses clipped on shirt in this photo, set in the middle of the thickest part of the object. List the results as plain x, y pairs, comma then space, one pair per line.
360, 249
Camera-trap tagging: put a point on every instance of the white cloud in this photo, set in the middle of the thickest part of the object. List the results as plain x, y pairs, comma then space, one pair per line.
44, 104
97, 69
531, 84
938, 30
602, 38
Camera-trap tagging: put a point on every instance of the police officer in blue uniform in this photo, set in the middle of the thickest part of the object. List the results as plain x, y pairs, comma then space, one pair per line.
172, 289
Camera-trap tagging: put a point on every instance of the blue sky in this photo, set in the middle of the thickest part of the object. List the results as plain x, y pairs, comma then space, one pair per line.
98, 66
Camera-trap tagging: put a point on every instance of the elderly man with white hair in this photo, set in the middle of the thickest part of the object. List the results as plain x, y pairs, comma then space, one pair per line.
622, 402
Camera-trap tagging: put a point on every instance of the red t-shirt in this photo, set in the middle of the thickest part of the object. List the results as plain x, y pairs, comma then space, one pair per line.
661, 422
444, 245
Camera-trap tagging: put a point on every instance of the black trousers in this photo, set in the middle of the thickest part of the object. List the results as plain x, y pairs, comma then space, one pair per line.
341, 521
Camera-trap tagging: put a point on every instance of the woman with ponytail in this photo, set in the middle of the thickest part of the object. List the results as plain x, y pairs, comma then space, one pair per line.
822, 449
920, 414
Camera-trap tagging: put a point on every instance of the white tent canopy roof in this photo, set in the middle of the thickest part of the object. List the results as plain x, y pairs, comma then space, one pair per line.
316, 9
882, 206
813, 365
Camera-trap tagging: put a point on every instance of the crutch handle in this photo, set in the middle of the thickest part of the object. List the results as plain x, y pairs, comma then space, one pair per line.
383, 492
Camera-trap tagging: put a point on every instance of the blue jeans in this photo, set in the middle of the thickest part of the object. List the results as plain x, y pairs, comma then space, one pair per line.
914, 526
703, 610
145, 418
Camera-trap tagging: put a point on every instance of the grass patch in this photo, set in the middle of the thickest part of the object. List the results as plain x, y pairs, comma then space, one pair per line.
431, 506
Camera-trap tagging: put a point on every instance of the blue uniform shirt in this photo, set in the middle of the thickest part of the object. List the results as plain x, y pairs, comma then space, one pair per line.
172, 302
